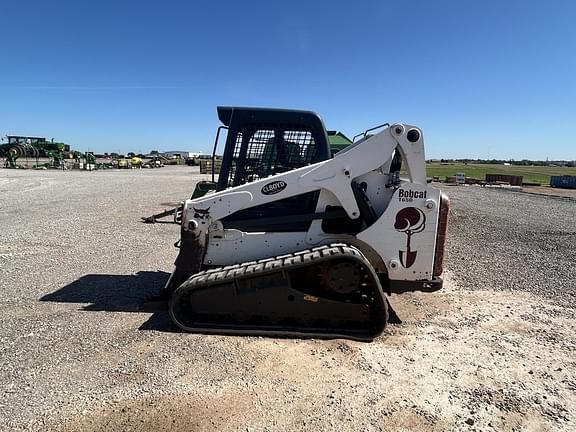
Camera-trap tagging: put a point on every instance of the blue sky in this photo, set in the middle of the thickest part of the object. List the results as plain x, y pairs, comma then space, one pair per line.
483, 79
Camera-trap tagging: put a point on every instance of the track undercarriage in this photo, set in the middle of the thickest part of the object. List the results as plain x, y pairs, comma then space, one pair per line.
326, 292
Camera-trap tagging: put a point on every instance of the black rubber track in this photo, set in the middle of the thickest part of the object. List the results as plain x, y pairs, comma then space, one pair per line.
289, 295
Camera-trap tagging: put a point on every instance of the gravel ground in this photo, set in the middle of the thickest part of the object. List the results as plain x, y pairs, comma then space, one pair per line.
507, 240
494, 350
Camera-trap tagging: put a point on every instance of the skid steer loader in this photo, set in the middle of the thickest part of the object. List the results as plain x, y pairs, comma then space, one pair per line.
293, 242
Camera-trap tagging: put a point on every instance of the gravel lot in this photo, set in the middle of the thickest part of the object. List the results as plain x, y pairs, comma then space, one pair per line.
494, 350
508, 240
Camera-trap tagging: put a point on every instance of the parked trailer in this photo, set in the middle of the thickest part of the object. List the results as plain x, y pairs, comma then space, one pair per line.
565, 181
503, 178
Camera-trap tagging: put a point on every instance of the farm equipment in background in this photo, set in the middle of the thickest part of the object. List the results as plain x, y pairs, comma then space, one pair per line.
209, 165
35, 148
57, 158
11, 156
338, 141
89, 161
16, 148
293, 242
123, 164
136, 162
154, 162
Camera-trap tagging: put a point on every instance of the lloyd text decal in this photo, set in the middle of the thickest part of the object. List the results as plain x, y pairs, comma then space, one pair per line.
274, 187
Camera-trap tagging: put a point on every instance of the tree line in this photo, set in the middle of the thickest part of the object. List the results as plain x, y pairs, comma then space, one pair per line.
523, 162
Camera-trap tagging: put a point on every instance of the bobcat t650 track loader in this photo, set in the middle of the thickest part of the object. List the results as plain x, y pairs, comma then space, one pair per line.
293, 242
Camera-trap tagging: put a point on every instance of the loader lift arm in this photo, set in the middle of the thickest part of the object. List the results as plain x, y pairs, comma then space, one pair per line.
333, 175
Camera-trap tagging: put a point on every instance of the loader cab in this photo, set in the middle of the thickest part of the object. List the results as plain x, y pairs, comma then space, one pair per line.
262, 142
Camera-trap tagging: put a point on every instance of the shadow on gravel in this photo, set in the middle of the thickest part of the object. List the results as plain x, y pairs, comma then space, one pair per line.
119, 293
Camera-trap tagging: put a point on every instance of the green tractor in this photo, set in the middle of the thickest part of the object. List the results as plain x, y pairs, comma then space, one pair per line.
34, 147
13, 150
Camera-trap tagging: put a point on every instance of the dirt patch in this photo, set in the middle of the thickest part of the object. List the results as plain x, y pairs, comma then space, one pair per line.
411, 419
168, 413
